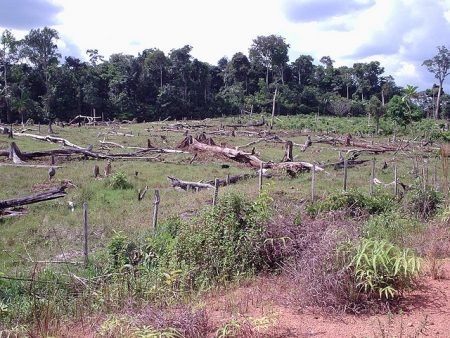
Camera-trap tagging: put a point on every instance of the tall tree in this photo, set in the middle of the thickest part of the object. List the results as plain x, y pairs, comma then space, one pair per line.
156, 60
439, 65
270, 52
9, 55
304, 68
41, 51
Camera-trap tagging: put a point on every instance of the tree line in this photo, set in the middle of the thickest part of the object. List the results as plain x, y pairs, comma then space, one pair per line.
38, 84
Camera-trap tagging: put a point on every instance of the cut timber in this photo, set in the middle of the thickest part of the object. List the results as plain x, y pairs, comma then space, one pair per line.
49, 194
185, 185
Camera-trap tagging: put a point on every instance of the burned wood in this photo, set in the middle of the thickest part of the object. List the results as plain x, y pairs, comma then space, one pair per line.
49, 194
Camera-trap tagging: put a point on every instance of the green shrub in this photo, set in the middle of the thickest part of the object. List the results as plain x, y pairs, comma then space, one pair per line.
382, 269
354, 200
119, 181
122, 251
422, 203
224, 242
392, 227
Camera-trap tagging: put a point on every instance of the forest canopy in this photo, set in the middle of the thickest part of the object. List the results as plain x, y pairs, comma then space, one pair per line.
38, 83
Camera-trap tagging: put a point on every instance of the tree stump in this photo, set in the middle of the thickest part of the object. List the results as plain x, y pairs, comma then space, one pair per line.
96, 171
288, 152
108, 169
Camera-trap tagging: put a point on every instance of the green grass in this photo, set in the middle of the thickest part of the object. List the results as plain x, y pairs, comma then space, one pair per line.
50, 231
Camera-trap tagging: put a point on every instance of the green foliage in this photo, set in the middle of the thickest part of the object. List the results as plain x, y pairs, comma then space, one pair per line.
354, 200
422, 203
120, 181
122, 252
392, 227
402, 112
383, 270
224, 242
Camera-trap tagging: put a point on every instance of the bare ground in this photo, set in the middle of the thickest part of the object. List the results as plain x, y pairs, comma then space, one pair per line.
424, 312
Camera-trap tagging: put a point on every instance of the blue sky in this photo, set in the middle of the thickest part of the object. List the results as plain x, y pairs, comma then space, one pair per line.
398, 33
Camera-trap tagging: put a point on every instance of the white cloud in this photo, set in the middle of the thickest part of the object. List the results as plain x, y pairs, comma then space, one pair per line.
400, 34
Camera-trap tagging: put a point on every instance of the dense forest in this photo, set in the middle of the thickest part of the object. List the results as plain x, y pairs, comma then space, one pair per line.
38, 84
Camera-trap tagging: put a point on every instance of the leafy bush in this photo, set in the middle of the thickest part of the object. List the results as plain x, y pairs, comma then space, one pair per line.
224, 242
422, 203
119, 181
122, 252
382, 269
354, 200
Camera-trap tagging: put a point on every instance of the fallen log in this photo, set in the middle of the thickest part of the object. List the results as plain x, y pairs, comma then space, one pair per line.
340, 165
244, 157
51, 139
185, 185
250, 124
29, 165
47, 195
43, 153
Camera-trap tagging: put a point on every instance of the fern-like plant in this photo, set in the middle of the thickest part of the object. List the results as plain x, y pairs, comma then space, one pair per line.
383, 269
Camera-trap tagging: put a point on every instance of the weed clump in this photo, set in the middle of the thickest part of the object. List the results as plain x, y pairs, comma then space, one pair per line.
355, 201
120, 181
423, 203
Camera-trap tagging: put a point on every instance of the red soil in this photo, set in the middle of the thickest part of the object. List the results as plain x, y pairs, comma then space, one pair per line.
425, 312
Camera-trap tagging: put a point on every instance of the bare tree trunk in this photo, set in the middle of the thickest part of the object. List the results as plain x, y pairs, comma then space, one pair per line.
273, 106
436, 113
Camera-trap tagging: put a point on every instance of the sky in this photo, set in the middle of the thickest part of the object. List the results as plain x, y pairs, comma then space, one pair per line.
401, 34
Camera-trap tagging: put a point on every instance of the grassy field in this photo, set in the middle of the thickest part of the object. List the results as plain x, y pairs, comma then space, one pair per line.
51, 231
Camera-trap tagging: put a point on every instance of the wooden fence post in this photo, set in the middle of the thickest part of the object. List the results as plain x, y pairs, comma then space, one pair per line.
395, 180
260, 177
313, 179
372, 177
435, 176
156, 201
216, 191
345, 175
85, 233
